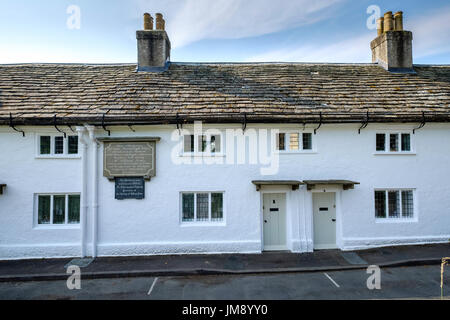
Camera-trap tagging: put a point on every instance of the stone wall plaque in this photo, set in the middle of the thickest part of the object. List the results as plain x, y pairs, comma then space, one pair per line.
129, 158
129, 188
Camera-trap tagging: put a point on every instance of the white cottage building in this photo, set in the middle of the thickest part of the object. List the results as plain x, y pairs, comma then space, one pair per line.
175, 158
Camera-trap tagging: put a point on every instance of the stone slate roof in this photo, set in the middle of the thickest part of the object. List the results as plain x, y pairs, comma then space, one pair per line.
267, 92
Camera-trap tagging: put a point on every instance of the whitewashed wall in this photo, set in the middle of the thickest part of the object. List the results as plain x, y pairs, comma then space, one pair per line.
152, 226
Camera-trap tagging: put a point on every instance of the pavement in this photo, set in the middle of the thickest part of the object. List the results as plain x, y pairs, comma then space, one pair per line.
223, 264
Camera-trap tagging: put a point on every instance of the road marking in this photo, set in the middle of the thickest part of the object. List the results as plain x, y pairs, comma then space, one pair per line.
153, 285
331, 279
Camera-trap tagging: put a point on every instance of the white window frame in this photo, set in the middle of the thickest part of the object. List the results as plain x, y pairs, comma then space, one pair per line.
203, 223
387, 137
287, 150
52, 154
66, 224
400, 219
207, 152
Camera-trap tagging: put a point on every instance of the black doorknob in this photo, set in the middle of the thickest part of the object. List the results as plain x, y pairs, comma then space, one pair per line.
334, 220
265, 221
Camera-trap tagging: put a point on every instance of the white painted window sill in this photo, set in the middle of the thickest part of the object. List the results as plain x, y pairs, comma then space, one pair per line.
394, 153
57, 227
393, 220
59, 157
202, 224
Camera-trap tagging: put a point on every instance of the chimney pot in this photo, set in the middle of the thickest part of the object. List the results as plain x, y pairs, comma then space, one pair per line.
398, 21
148, 22
159, 22
380, 26
388, 21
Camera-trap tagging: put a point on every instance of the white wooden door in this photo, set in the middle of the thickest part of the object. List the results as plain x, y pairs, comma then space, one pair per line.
324, 211
274, 224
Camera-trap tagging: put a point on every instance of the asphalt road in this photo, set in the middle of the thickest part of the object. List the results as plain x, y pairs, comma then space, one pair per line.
396, 283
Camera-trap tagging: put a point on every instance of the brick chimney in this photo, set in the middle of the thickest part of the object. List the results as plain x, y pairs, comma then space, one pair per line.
392, 48
153, 45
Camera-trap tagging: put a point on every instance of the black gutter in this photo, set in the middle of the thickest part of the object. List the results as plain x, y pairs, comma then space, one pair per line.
113, 119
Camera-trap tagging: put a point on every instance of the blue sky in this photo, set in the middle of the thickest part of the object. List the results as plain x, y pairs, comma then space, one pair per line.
216, 30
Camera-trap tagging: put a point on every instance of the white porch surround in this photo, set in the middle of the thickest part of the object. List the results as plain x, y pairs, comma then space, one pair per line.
152, 226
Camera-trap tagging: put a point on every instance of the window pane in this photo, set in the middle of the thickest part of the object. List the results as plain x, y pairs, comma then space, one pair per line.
188, 206
73, 145
59, 209
43, 209
216, 206
215, 143
201, 143
189, 143
406, 142
407, 204
394, 204
380, 204
59, 145
280, 141
294, 141
307, 141
74, 208
394, 142
381, 141
44, 145
202, 207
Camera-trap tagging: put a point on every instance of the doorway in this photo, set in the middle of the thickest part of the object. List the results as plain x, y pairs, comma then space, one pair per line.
274, 221
324, 219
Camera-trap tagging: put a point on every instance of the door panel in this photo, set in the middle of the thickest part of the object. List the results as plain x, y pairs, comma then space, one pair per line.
274, 224
324, 211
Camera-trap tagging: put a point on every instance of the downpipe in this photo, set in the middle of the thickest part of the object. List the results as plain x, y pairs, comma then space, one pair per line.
84, 206
94, 197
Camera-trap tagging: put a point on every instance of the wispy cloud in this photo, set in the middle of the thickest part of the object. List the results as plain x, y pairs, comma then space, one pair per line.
351, 50
194, 20
431, 34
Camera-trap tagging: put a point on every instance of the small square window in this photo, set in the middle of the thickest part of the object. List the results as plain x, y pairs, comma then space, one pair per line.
202, 143
215, 144
59, 209
216, 206
380, 204
73, 145
407, 204
188, 206
307, 141
294, 143
44, 209
44, 145
74, 209
393, 143
381, 142
189, 143
406, 142
281, 142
